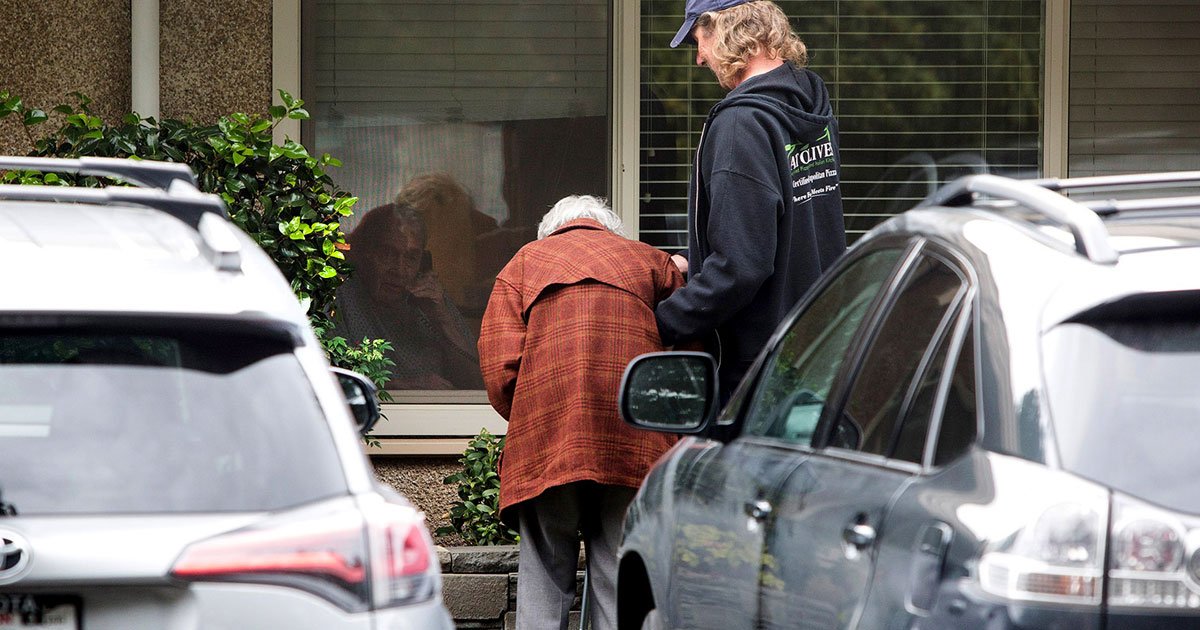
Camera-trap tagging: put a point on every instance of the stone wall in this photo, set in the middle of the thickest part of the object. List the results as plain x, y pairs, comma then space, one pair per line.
58, 48
214, 59
420, 479
479, 586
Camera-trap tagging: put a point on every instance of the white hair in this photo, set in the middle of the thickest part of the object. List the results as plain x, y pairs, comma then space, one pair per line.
580, 207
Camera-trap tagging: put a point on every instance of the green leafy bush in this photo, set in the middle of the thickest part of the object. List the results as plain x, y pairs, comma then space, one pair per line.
476, 515
278, 194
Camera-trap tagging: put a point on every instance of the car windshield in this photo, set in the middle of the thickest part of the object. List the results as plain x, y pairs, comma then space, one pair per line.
129, 423
1123, 396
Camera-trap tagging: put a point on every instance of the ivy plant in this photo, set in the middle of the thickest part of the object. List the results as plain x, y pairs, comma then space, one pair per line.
476, 514
280, 195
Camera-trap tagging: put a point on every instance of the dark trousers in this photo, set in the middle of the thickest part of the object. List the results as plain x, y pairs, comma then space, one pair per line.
551, 526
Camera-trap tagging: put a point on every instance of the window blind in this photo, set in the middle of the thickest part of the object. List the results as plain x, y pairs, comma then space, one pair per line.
1134, 87
476, 61
398, 88
924, 91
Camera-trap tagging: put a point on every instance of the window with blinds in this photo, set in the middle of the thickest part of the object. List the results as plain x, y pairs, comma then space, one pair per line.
1134, 87
924, 91
459, 123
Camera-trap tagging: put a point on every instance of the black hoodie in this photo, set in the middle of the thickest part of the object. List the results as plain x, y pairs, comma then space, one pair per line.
765, 218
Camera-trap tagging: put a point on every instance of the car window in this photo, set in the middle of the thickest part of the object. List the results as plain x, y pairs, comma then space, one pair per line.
910, 445
887, 378
797, 377
1123, 399
127, 423
960, 424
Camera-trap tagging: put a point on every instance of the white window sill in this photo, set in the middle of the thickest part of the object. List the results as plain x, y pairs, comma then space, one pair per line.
432, 429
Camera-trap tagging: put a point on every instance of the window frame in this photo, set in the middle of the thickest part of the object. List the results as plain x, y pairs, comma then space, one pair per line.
736, 414
407, 429
946, 326
960, 323
441, 423
831, 327
967, 324
967, 321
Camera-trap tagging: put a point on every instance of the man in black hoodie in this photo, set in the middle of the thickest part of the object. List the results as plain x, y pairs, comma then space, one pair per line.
765, 206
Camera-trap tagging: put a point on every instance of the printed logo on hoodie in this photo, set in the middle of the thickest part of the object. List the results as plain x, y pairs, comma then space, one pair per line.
808, 162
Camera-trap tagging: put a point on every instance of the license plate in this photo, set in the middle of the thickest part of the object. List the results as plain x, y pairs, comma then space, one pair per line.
45, 612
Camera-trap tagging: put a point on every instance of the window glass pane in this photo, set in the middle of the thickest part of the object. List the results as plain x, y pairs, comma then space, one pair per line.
123, 423
473, 119
922, 310
910, 446
910, 443
1133, 87
1123, 396
959, 421
924, 90
797, 379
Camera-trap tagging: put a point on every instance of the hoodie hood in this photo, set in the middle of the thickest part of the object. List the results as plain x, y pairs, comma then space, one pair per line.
796, 97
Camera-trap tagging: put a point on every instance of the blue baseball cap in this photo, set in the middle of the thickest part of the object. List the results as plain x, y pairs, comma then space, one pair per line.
694, 9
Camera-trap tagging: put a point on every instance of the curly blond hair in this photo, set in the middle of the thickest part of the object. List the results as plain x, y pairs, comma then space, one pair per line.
746, 30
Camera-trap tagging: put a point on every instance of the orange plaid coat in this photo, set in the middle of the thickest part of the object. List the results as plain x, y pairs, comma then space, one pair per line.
566, 315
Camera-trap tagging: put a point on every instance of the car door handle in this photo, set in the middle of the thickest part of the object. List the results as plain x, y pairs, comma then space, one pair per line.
758, 510
859, 535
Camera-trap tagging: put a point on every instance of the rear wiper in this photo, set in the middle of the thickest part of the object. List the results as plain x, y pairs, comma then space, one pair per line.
7, 509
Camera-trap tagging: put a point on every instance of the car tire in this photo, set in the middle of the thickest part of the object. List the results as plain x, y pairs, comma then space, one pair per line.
652, 621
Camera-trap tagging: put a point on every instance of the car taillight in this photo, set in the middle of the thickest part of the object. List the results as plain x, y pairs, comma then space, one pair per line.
1149, 567
405, 572
1043, 535
354, 563
1058, 558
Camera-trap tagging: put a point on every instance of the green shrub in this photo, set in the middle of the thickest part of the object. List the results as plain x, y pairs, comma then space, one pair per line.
476, 515
278, 194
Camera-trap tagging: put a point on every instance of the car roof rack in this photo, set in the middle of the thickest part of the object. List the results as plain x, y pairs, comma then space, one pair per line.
144, 173
1082, 218
1121, 182
164, 186
1091, 237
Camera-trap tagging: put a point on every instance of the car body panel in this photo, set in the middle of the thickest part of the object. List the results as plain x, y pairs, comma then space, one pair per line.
715, 568
821, 500
916, 586
1027, 278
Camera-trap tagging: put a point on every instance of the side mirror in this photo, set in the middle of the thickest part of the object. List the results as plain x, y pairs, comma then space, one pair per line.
362, 395
673, 392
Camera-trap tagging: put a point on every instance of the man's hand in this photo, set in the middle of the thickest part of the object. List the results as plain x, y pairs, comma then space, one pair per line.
680, 262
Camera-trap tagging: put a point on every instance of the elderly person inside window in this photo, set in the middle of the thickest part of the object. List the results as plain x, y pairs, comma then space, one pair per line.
395, 295
566, 315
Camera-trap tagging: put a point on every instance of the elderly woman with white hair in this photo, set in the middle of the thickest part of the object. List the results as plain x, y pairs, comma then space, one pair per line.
566, 315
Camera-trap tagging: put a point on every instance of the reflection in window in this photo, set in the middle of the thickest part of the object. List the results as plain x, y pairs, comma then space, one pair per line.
475, 118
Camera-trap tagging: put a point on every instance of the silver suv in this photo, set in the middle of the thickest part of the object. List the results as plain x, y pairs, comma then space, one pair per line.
175, 451
981, 417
